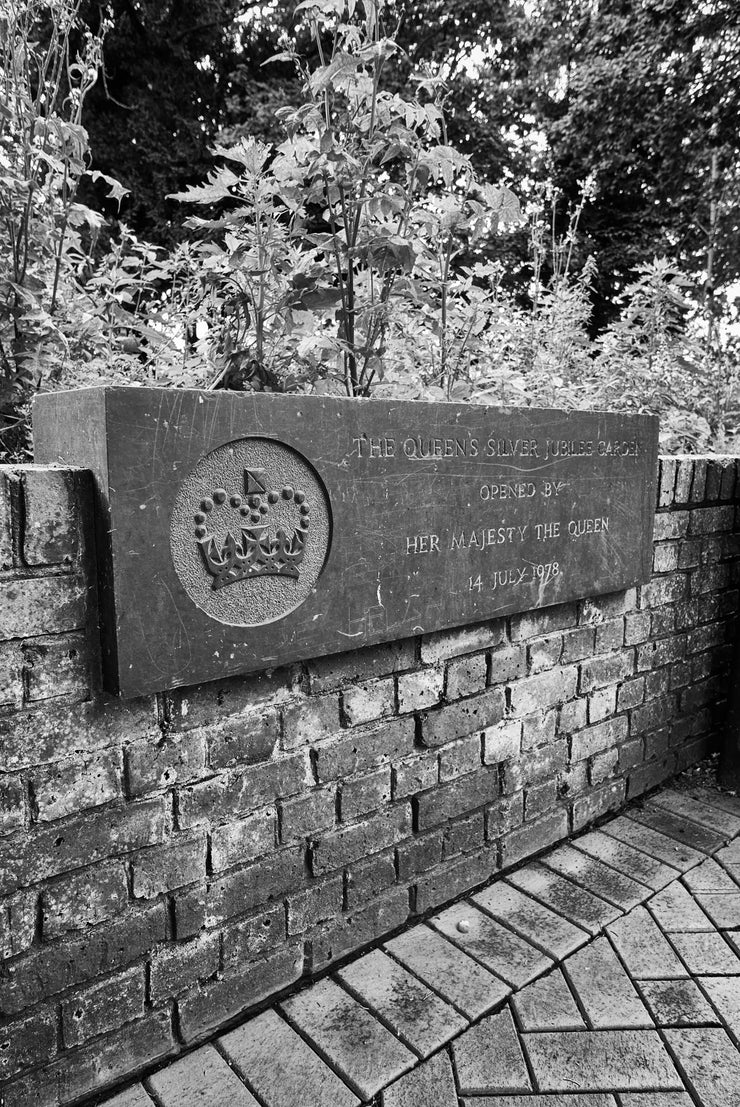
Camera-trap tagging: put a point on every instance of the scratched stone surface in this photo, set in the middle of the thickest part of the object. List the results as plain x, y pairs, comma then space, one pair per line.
240, 532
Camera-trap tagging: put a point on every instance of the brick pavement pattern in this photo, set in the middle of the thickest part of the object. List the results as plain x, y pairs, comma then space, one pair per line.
606, 973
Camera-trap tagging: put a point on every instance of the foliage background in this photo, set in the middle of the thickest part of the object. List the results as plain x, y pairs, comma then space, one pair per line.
615, 123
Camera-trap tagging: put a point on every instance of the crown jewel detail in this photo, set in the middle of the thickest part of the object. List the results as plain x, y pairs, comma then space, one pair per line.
255, 553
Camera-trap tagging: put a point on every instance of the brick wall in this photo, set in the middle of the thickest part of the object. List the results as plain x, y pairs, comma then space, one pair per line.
169, 861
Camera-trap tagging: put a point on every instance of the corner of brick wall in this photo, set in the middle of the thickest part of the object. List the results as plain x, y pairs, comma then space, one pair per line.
168, 861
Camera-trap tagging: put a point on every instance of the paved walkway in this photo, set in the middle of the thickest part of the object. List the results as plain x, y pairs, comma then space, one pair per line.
604, 974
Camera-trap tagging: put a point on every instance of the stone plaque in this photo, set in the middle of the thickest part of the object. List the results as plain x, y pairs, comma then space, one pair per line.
241, 532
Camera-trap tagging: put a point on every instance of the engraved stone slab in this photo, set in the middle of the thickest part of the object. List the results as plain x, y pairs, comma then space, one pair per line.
240, 532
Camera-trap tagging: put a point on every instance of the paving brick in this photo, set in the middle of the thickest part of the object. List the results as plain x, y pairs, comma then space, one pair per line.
280, 1066
642, 947
600, 1060
202, 1077
547, 1004
723, 908
532, 920
592, 1099
686, 833
724, 801
656, 1099
430, 1085
676, 909
597, 877
681, 803
626, 859
488, 1058
724, 992
355, 1043
604, 989
448, 970
570, 900
416, 1015
707, 953
504, 953
709, 877
676, 854
710, 1062
677, 1003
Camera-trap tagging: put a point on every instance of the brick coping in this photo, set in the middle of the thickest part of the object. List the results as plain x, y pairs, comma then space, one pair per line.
605, 973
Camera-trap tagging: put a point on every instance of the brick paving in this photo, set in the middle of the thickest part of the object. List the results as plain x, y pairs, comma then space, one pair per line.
606, 973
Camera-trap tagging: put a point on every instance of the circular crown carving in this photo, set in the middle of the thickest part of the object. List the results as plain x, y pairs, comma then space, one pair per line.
250, 531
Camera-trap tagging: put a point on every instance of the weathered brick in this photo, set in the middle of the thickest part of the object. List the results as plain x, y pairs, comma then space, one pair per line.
545, 761
573, 716
466, 676
650, 715
458, 798
178, 757
508, 663
415, 774
111, 1059
103, 1007
329, 673
84, 899
27, 1042
699, 481
12, 804
705, 638
365, 748
539, 798
705, 520
365, 793
649, 775
420, 689
630, 754
544, 690
458, 758
362, 703
539, 729
684, 477
418, 854
503, 815
46, 851
601, 704
606, 670
656, 683
671, 524
342, 847
177, 966
502, 742
727, 485
359, 928
608, 798
17, 923
305, 816
665, 557
663, 621
603, 766
544, 653
54, 502
690, 553
56, 666
593, 611
452, 878
464, 835
452, 643
11, 673
223, 797
667, 481
367, 879
41, 605
210, 1006
245, 740
533, 837
243, 840
67, 787
609, 635
50, 969
578, 643
164, 868
56, 731
309, 720
594, 739
544, 621
263, 933
6, 520
322, 900
462, 718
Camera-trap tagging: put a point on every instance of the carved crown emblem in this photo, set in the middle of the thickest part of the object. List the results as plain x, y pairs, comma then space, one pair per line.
256, 552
